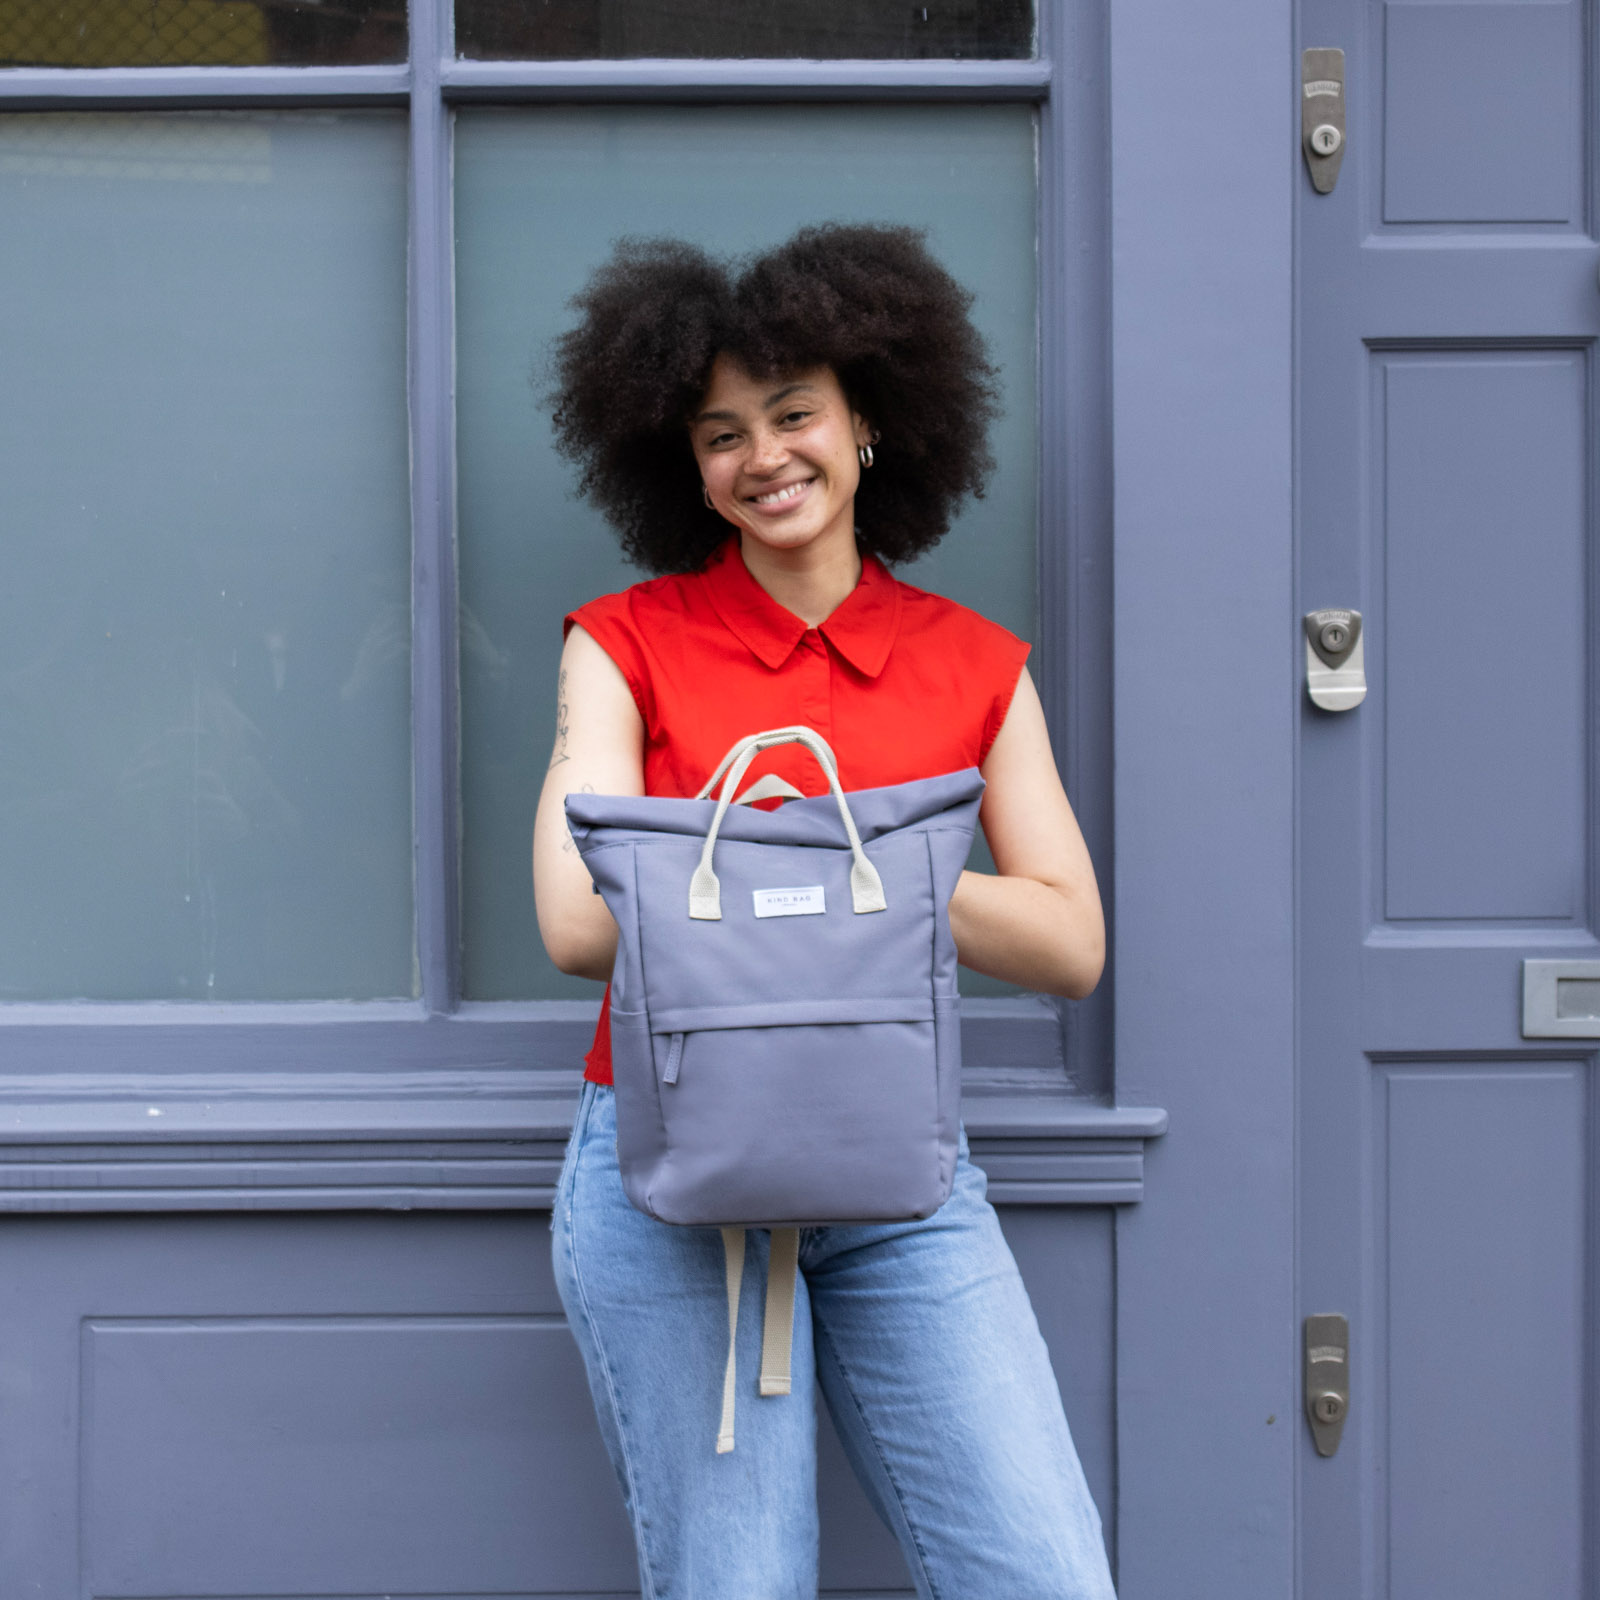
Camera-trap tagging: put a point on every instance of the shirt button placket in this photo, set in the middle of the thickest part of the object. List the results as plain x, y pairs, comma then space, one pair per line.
816, 698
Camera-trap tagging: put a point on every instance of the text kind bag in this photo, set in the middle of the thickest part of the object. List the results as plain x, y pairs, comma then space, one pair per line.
785, 1026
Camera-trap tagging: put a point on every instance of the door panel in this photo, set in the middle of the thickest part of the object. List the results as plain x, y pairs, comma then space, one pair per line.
406, 1453
1447, 315
1479, 1241
1481, 107
357, 1404
1481, 536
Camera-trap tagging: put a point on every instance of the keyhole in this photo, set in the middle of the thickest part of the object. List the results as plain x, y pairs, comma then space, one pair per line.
1334, 637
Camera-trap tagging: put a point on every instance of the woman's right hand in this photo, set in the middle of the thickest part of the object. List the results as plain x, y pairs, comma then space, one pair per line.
599, 749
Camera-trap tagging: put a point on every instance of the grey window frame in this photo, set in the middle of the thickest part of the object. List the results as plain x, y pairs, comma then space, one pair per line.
443, 1102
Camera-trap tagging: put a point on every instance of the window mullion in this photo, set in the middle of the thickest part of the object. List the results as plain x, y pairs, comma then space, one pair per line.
698, 81
435, 732
1075, 601
89, 88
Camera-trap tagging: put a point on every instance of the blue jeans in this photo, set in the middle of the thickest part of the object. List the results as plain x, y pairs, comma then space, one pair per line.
928, 1355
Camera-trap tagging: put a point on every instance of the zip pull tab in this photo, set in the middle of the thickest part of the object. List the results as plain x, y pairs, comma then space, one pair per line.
674, 1059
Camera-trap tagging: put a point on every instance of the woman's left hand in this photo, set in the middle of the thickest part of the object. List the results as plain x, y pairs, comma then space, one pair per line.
1038, 923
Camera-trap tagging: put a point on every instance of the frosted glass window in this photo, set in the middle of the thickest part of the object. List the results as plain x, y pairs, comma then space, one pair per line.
205, 619
541, 196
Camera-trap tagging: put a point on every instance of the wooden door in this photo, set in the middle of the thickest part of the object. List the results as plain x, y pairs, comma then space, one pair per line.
1447, 312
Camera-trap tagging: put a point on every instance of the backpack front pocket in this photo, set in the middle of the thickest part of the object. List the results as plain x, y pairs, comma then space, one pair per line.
735, 1083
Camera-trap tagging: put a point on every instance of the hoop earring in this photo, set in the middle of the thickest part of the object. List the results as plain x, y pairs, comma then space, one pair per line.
865, 455
705, 494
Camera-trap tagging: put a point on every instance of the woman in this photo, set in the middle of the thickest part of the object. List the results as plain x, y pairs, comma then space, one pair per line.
767, 444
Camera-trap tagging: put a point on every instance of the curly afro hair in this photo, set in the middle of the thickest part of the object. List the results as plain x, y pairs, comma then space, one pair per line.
868, 301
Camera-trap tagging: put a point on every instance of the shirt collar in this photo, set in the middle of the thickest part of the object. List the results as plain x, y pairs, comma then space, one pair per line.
862, 627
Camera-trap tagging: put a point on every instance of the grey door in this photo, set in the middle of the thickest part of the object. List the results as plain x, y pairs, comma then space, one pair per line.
1447, 314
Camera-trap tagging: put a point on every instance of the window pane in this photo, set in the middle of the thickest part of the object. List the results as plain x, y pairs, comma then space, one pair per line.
541, 195
200, 33
205, 623
827, 30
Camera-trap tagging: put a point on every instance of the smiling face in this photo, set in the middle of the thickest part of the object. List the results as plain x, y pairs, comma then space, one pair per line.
778, 455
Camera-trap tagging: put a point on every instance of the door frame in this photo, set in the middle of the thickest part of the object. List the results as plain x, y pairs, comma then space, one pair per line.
1204, 160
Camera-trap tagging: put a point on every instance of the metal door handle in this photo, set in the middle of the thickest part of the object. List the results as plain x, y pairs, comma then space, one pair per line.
1326, 1376
1336, 665
1322, 128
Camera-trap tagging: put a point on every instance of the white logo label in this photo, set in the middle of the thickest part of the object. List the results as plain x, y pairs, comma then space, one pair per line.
806, 902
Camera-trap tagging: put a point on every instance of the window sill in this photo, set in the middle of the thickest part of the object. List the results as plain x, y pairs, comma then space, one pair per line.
215, 1113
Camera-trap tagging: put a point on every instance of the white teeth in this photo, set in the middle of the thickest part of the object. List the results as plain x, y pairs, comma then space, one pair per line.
779, 495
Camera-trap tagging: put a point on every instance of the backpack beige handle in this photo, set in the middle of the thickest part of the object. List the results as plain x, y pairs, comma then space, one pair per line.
705, 892
825, 754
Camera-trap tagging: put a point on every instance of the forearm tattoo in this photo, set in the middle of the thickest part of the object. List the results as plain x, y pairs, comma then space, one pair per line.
562, 722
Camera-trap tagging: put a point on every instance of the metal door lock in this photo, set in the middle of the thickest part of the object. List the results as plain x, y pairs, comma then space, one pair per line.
1322, 115
1327, 1379
1336, 667
1327, 1407
1333, 639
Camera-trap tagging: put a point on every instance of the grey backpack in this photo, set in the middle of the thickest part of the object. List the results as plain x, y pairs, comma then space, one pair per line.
785, 1026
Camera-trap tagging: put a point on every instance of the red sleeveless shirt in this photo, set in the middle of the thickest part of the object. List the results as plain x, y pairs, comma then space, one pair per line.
903, 684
